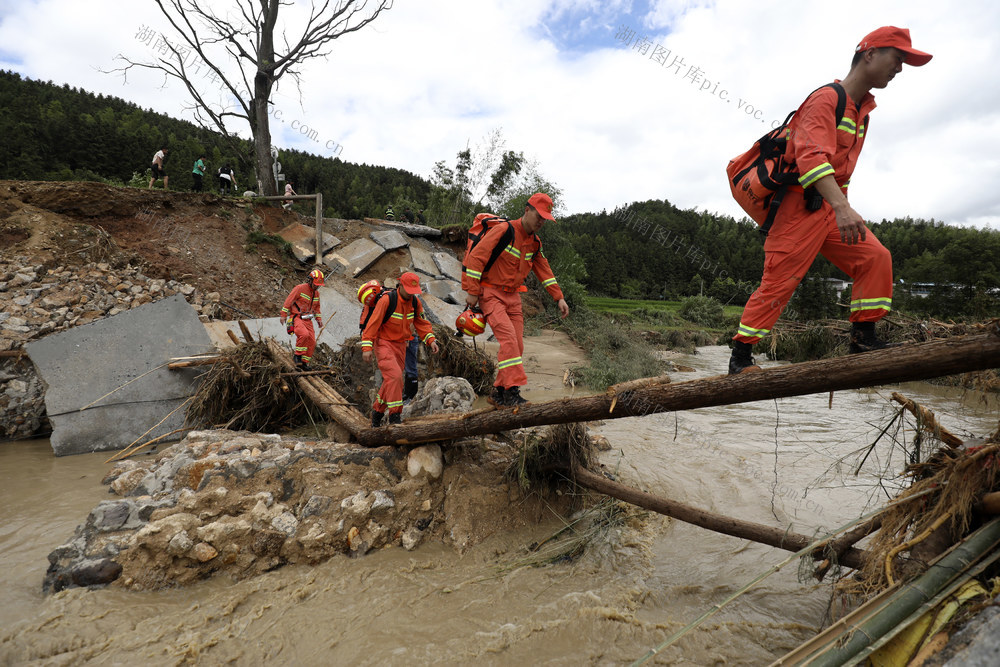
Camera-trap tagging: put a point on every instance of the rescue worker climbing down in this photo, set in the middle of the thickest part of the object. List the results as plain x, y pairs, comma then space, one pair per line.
390, 326
496, 290
301, 307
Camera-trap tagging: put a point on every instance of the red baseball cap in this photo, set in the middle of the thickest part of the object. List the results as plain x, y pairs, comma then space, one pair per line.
411, 282
542, 203
890, 35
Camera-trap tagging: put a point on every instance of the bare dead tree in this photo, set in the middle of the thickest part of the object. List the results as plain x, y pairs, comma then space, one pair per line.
246, 36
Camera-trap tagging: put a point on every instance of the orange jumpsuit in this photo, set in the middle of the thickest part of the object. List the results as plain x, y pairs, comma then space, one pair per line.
819, 148
499, 297
389, 342
302, 300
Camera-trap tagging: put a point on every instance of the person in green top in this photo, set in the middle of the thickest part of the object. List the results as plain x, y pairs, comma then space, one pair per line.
197, 172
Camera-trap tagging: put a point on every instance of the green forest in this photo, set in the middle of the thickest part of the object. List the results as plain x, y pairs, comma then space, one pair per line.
644, 250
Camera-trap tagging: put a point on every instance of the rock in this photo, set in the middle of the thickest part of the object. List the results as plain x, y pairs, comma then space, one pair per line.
127, 482
316, 505
286, 523
203, 552
179, 544
382, 501
110, 515
425, 459
411, 538
93, 572
359, 504
441, 394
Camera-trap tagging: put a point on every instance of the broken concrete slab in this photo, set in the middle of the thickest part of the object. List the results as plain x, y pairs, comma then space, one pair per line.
108, 385
355, 259
390, 240
443, 289
423, 261
407, 228
303, 241
448, 266
340, 314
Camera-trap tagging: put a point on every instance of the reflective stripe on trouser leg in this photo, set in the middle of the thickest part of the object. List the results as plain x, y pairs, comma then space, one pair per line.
869, 265
305, 339
503, 313
390, 356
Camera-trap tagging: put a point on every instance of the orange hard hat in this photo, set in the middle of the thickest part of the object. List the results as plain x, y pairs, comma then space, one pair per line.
368, 291
471, 322
316, 276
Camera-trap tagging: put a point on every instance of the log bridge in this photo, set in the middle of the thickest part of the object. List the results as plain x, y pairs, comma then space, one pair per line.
918, 361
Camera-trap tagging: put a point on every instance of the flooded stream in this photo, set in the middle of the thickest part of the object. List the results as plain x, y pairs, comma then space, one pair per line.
787, 463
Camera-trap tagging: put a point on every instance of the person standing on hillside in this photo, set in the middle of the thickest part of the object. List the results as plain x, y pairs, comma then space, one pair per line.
815, 216
408, 215
301, 307
287, 204
227, 179
389, 213
390, 327
198, 172
158, 170
496, 290
420, 217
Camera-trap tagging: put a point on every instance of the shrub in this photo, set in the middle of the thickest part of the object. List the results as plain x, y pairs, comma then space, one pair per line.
702, 310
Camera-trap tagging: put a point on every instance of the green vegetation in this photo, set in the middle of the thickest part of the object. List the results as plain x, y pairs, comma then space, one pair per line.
256, 237
59, 133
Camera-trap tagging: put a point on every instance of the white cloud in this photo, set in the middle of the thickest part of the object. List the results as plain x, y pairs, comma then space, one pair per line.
608, 125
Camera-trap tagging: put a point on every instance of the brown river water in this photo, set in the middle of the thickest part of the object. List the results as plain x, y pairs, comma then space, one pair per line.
787, 463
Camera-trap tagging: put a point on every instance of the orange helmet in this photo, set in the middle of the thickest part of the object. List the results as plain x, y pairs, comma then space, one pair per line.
367, 291
316, 276
471, 322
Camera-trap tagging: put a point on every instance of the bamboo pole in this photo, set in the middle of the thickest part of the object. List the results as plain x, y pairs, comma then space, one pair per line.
918, 361
755, 532
204, 361
233, 337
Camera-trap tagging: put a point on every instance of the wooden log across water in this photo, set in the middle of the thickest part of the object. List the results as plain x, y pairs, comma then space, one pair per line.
775, 537
918, 361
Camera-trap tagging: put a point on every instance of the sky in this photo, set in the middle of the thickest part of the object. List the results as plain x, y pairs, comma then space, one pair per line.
616, 100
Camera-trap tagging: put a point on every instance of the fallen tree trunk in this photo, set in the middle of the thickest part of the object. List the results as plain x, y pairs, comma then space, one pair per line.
918, 361
928, 422
775, 537
332, 404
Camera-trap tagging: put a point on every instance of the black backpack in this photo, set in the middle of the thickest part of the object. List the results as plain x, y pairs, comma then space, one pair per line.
393, 301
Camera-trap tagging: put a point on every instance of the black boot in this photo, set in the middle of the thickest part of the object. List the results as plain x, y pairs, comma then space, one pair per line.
377, 418
512, 397
496, 397
863, 338
741, 360
395, 418
410, 387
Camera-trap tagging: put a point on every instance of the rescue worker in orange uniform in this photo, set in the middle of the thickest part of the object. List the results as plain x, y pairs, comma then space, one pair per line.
498, 292
386, 335
825, 152
297, 314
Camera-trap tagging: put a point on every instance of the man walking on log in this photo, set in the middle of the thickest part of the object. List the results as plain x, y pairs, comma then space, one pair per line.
389, 329
496, 289
301, 307
815, 215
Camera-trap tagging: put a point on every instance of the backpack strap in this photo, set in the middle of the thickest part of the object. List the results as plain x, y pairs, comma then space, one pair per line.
787, 177
505, 240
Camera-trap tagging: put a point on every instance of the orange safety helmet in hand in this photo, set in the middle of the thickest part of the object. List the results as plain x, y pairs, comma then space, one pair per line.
316, 276
367, 291
471, 322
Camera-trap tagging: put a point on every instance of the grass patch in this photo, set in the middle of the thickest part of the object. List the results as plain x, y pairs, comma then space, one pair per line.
255, 238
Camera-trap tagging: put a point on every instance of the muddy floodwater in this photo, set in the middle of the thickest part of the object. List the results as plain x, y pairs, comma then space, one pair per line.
788, 463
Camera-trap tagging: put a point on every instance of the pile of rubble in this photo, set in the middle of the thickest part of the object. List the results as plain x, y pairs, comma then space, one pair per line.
242, 504
36, 301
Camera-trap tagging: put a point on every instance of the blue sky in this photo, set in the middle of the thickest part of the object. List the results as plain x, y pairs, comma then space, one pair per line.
605, 122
